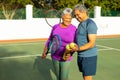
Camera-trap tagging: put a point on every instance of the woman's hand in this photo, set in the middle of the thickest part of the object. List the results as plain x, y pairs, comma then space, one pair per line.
44, 55
45, 52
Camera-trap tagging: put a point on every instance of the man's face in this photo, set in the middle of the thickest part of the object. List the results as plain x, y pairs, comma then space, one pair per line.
79, 15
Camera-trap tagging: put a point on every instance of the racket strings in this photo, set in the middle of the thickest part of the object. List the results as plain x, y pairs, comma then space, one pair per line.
56, 44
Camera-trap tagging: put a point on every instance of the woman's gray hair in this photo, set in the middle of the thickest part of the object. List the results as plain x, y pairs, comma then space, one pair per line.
81, 8
67, 11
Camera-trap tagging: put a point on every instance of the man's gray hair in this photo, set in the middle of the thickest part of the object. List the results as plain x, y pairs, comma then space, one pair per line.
67, 11
81, 8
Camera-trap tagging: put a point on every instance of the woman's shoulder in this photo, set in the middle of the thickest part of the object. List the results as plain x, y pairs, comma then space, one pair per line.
55, 26
73, 26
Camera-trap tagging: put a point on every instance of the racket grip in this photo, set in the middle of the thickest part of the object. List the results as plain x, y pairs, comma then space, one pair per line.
66, 54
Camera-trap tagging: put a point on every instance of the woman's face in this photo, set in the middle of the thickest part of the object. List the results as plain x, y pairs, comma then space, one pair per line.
67, 18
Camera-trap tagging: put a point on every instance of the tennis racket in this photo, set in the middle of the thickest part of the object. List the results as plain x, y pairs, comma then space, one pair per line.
55, 44
52, 17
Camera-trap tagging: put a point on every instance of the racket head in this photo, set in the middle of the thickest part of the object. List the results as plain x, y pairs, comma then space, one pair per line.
55, 44
52, 17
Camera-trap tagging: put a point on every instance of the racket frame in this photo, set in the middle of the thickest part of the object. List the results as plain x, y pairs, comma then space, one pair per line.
51, 42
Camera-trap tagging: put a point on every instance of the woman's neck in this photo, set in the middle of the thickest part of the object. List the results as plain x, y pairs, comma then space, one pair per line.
63, 25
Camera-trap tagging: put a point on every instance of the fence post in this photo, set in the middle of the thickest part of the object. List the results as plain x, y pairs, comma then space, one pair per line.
29, 12
97, 11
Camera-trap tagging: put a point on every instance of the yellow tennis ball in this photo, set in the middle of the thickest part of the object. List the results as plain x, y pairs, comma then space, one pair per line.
67, 47
72, 45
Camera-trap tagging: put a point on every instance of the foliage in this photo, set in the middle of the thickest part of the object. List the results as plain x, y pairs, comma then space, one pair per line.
65, 3
106, 5
43, 4
13, 3
8, 7
20, 14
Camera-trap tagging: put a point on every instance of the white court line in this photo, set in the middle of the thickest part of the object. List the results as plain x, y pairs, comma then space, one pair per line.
103, 49
19, 56
12, 57
108, 39
37, 55
109, 47
18, 44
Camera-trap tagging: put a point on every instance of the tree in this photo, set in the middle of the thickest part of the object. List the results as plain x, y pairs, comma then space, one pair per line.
65, 3
43, 4
9, 7
106, 5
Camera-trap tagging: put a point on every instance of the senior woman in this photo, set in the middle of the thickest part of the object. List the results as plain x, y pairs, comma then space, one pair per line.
66, 30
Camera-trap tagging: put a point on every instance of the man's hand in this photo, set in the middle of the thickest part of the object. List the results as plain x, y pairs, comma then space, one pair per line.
75, 48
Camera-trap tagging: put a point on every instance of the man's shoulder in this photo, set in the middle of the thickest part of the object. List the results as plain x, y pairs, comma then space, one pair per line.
90, 21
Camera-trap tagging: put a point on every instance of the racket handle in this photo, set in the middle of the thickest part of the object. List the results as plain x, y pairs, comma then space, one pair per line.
66, 53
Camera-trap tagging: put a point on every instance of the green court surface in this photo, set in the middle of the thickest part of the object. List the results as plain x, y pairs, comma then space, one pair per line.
22, 61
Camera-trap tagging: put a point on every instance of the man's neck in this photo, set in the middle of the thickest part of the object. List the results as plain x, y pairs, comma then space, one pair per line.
85, 18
